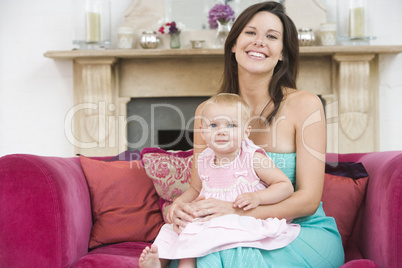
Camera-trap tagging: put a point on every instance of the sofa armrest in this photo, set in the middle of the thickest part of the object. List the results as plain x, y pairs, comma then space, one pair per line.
378, 231
45, 211
382, 233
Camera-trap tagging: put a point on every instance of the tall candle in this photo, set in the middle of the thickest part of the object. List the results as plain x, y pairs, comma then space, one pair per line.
356, 22
93, 27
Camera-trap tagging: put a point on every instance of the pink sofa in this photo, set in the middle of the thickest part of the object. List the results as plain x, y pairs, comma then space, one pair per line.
46, 215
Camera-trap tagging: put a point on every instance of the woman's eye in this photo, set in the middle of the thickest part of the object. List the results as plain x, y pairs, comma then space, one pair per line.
250, 32
272, 36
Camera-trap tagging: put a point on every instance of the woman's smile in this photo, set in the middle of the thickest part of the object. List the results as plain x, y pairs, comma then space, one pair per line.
256, 54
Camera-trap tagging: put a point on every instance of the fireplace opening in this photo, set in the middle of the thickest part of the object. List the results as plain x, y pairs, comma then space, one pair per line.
175, 139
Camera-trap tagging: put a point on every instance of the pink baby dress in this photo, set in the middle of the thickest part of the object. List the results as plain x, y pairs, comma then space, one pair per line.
230, 231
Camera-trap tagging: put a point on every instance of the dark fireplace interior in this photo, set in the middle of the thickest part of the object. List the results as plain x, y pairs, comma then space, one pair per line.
175, 139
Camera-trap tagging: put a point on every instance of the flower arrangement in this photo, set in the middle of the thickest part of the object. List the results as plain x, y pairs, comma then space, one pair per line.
222, 13
170, 27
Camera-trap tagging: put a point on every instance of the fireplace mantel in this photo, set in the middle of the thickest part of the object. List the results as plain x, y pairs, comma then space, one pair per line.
105, 80
178, 53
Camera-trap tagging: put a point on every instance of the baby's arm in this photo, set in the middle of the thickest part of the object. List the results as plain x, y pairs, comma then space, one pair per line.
279, 186
248, 200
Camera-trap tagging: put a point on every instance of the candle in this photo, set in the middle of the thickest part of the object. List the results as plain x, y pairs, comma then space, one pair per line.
328, 34
93, 26
125, 36
356, 19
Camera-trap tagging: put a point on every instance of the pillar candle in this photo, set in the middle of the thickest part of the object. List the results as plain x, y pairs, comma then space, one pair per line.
93, 27
356, 22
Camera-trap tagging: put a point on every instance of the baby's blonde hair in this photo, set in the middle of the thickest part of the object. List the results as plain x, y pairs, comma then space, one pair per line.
232, 99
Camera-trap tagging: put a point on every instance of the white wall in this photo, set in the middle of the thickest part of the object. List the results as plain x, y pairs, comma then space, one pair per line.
37, 92
386, 25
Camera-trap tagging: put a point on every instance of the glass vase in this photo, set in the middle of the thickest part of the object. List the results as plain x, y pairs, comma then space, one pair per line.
352, 24
175, 40
222, 33
92, 24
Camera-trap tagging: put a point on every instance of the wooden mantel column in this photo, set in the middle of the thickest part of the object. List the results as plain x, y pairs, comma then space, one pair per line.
97, 108
357, 93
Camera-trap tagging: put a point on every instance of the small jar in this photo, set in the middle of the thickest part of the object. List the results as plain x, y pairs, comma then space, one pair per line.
125, 36
149, 39
328, 34
306, 37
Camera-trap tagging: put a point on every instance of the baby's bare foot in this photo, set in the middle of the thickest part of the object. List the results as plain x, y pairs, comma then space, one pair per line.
150, 258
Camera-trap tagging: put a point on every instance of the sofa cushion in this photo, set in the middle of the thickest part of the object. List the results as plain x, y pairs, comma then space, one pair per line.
346, 169
124, 202
170, 172
341, 199
120, 255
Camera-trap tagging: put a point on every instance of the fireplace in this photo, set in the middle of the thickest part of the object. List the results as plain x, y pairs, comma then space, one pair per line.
106, 81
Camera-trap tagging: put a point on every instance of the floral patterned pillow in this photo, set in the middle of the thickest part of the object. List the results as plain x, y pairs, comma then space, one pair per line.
170, 172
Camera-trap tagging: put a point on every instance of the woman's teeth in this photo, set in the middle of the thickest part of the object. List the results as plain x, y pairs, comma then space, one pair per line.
256, 54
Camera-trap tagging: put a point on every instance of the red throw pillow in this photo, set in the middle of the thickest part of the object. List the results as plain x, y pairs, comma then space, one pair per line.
341, 199
125, 205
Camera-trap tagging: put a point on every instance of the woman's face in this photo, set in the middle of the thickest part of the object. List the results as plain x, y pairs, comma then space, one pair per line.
259, 46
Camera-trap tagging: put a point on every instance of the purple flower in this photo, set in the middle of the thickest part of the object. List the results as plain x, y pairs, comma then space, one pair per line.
223, 13
173, 28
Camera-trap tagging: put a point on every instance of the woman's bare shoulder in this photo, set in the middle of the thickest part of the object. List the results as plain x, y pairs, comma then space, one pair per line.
301, 100
302, 97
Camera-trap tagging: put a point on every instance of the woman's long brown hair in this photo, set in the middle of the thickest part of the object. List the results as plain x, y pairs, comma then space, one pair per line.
285, 72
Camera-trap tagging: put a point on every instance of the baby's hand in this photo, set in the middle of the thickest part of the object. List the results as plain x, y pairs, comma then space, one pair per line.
247, 201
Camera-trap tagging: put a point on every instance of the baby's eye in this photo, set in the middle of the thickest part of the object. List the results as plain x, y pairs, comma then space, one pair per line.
232, 125
212, 125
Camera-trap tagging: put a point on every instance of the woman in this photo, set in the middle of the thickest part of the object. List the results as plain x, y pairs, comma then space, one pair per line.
261, 63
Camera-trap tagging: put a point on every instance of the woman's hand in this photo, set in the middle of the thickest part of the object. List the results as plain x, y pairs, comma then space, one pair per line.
179, 214
206, 209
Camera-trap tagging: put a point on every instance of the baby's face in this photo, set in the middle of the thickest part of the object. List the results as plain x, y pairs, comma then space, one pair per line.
223, 127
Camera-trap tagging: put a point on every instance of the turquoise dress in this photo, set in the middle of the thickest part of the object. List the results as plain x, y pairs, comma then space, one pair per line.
318, 245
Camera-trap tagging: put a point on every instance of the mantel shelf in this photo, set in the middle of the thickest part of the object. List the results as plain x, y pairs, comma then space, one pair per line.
174, 53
